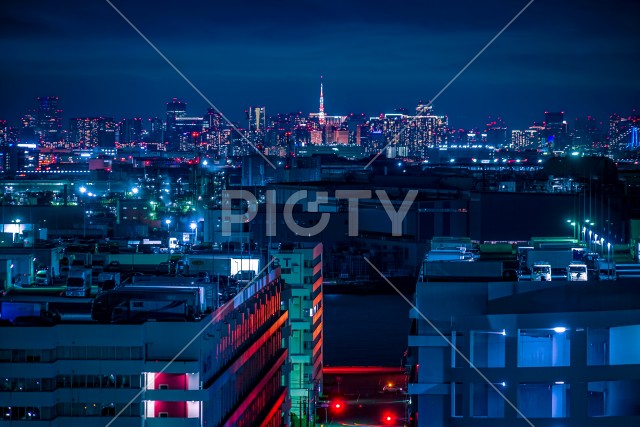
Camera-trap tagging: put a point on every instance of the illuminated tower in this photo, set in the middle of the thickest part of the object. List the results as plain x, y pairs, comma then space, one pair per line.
321, 115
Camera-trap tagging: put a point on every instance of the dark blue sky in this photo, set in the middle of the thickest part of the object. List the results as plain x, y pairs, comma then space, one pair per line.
576, 56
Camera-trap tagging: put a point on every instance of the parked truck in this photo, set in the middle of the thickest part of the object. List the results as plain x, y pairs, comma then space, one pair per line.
208, 290
79, 282
139, 262
557, 259
108, 280
541, 272
577, 272
141, 303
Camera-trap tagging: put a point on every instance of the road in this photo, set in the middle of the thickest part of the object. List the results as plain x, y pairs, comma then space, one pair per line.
356, 397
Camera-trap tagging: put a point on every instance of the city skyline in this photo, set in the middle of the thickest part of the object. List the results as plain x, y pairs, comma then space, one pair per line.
482, 124
555, 57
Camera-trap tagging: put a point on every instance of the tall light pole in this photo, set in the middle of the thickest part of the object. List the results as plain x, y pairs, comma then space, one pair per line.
84, 212
194, 228
609, 260
590, 232
168, 222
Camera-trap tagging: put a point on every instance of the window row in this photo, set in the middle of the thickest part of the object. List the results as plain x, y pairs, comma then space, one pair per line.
97, 409
70, 381
27, 413
548, 400
71, 353
548, 347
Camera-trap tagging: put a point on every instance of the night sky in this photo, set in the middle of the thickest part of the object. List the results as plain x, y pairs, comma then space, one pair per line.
576, 56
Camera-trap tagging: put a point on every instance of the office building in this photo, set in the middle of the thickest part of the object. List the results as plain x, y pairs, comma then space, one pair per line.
92, 132
48, 120
175, 109
130, 132
555, 130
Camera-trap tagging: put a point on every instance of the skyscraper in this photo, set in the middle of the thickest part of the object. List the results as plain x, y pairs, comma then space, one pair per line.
92, 132
175, 109
256, 118
555, 129
48, 124
130, 131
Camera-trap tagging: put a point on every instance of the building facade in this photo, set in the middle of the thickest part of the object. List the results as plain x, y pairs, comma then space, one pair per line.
223, 370
563, 355
301, 269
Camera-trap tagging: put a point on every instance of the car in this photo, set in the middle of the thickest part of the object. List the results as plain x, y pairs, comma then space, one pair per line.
391, 388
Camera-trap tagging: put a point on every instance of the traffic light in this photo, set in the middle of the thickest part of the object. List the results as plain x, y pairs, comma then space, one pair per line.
388, 418
337, 406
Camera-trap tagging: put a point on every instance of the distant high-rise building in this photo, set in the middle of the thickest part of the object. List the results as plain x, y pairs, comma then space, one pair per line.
555, 130
412, 135
175, 109
316, 137
156, 130
256, 118
28, 130
531, 138
586, 133
517, 139
214, 119
3, 132
130, 131
92, 132
48, 117
341, 136
497, 133
256, 129
356, 125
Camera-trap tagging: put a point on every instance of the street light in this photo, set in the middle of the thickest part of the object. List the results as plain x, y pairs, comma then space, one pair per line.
573, 224
590, 231
194, 228
83, 190
168, 222
608, 260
